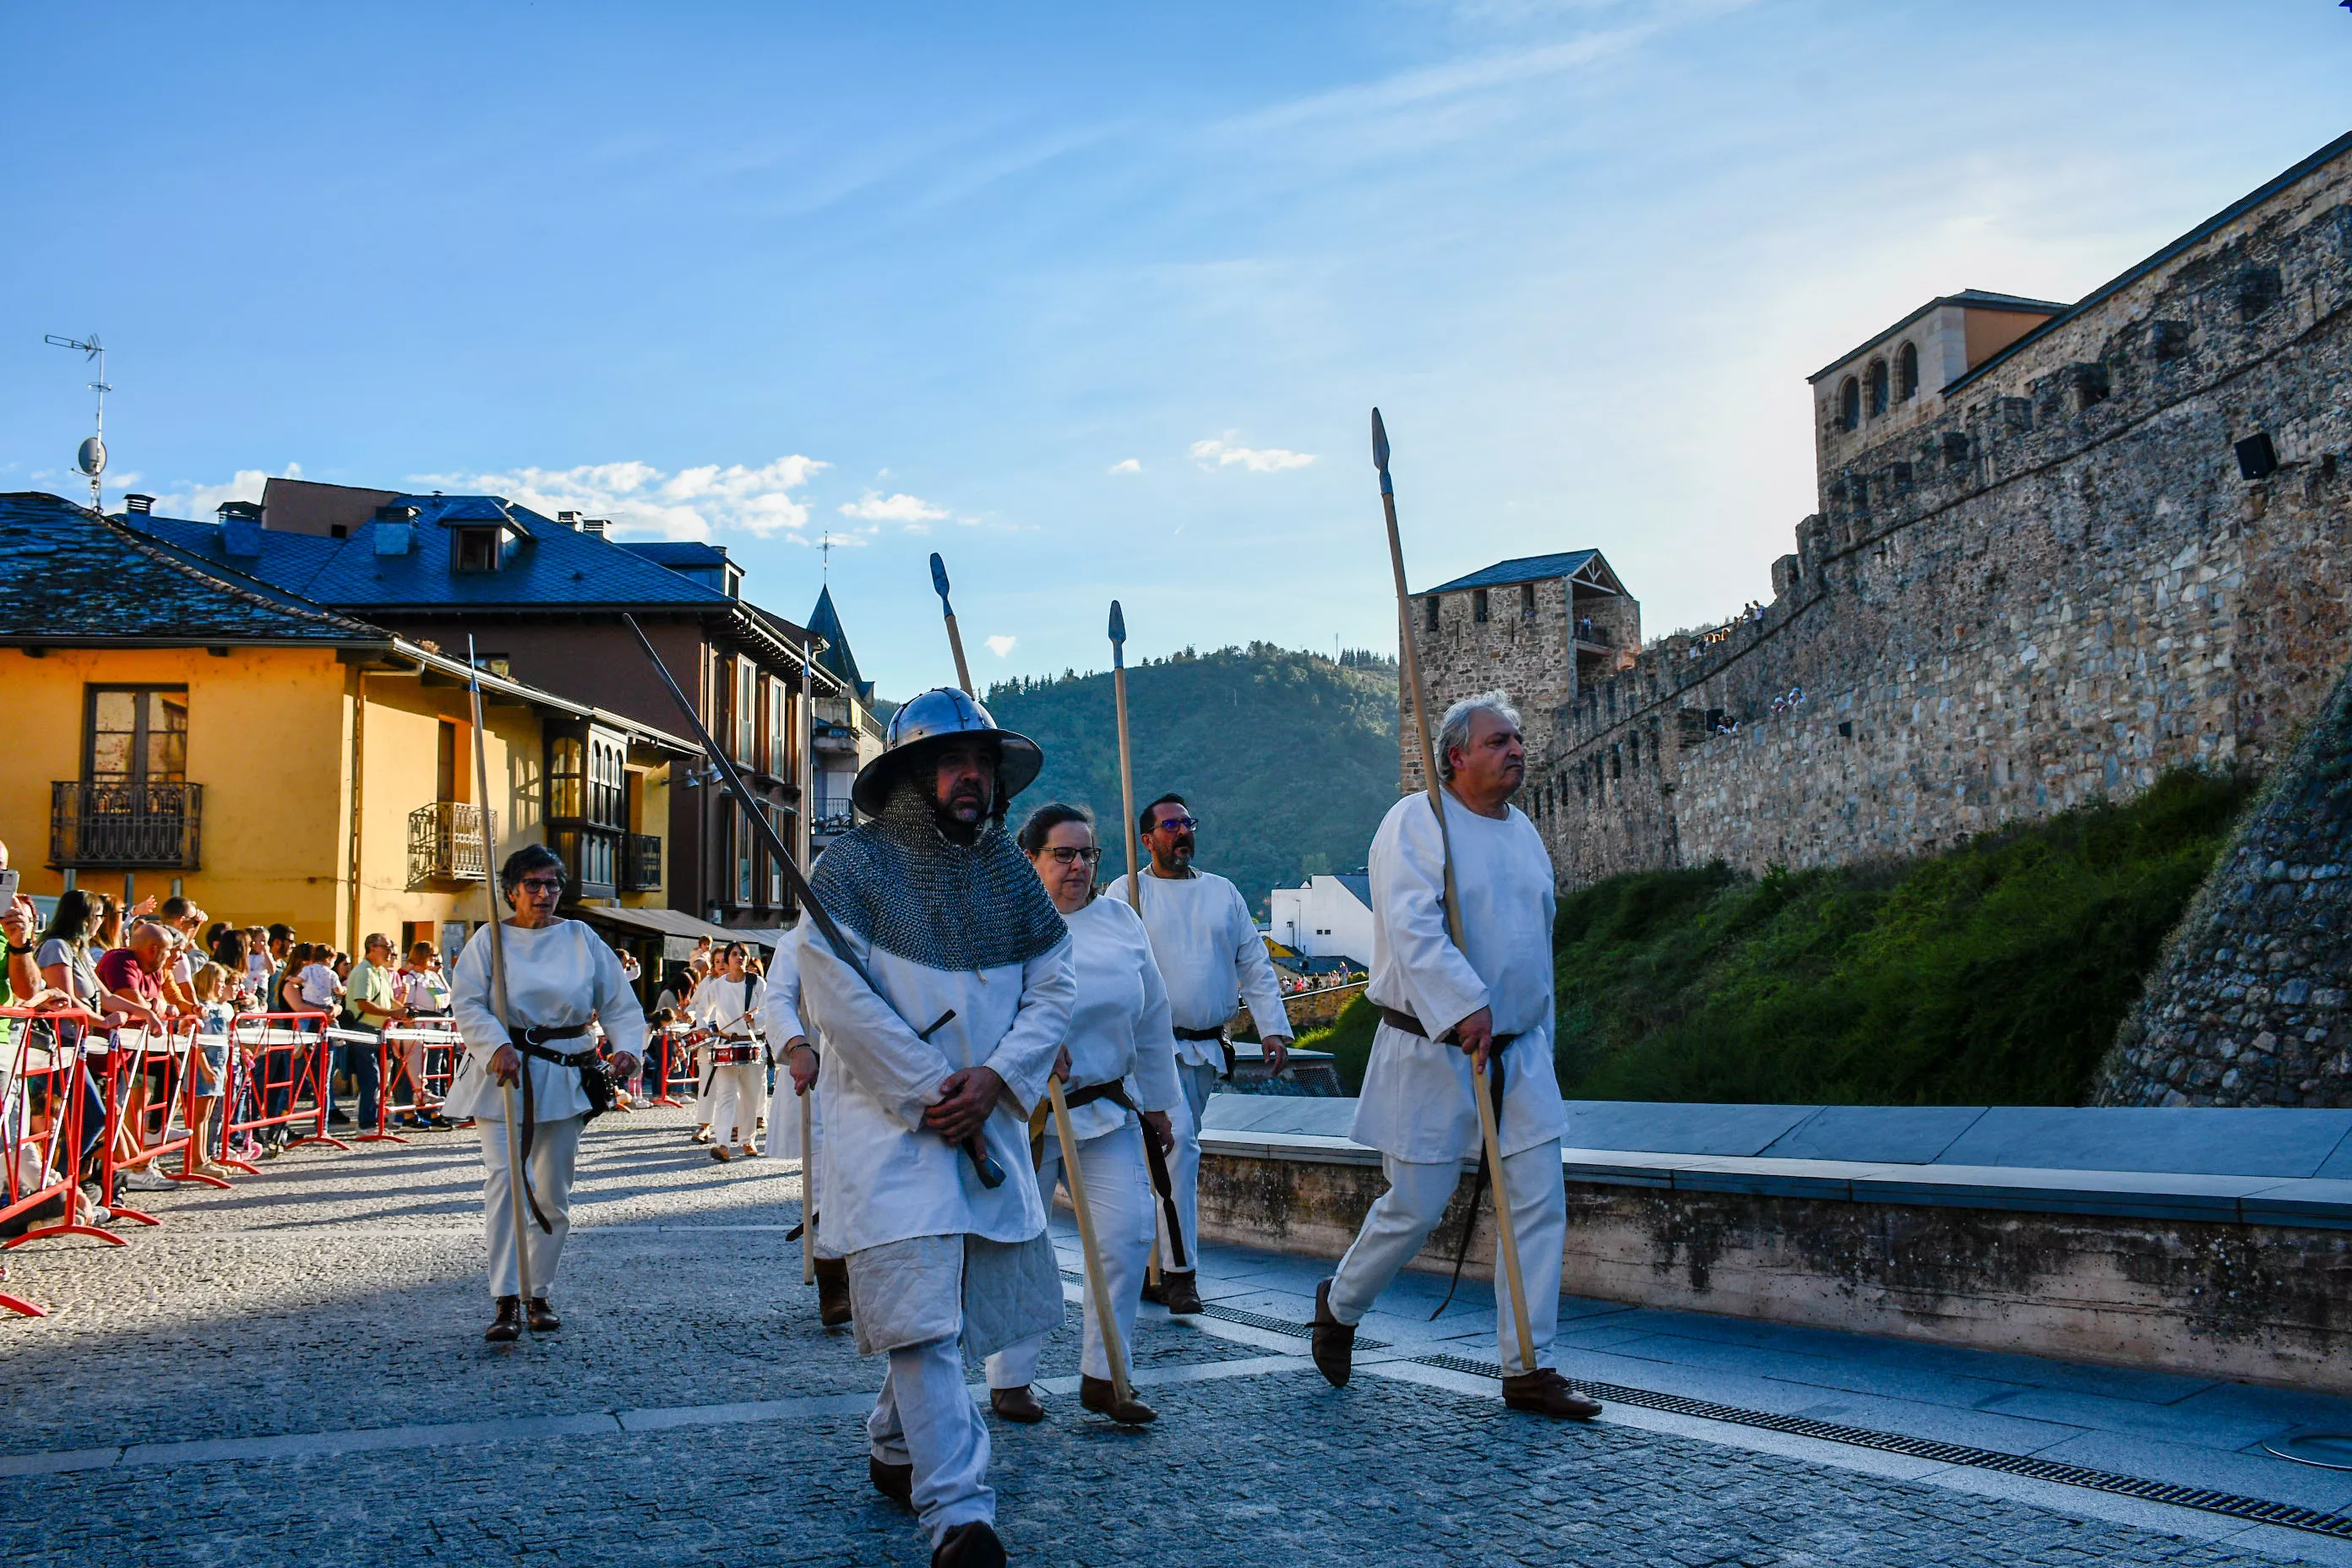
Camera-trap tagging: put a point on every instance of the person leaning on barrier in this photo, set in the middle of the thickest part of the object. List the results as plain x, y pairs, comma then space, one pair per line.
533, 1034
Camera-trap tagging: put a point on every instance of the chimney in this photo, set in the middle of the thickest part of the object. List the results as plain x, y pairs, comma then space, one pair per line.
569, 520
138, 505
240, 525
595, 525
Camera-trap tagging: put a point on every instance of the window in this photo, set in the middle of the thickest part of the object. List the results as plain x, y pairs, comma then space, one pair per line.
477, 549
1850, 405
567, 778
780, 745
137, 734
775, 867
1906, 373
1478, 606
1429, 609
450, 778
1877, 378
747, 716
742, 825
1526, 601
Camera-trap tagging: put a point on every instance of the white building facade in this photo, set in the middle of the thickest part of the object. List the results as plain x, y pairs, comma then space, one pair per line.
1328, 916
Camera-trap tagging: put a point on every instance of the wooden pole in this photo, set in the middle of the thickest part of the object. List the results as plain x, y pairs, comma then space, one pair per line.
808, 1195
1134, 848
1507, 1239
516, 1175
1105, 1318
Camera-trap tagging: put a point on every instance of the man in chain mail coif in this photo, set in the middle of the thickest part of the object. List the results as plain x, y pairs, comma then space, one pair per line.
929, 1192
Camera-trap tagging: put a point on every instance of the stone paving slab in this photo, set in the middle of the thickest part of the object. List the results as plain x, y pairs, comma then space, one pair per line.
292, 1372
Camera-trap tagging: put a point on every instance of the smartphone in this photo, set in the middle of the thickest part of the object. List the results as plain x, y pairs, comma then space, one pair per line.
8, 884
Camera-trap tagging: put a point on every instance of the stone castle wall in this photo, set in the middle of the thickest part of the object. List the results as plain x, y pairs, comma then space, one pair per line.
2044, 592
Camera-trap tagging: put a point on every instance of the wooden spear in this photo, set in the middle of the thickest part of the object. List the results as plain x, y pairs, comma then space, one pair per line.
1106, 1317
1134, 857
1507, 1239
955, 637
516, 1175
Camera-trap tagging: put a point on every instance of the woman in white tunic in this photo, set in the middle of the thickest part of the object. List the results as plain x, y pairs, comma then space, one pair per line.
1119, 1060
558, 978
727, 1003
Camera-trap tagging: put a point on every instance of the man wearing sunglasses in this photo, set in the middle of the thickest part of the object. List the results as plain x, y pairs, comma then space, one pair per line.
1210, 953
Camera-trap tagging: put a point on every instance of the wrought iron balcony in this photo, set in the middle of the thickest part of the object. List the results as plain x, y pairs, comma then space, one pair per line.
641, 863
126, 825
446, 843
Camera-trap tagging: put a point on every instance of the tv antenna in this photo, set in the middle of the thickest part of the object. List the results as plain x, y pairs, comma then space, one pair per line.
91, 457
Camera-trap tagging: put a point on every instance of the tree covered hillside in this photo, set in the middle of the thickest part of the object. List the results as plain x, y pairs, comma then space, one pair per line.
1288, 759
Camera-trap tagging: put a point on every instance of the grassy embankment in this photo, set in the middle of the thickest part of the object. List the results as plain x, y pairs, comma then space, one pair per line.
1993, 974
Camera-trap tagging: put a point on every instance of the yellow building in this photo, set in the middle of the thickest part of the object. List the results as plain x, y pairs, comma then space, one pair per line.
168, 725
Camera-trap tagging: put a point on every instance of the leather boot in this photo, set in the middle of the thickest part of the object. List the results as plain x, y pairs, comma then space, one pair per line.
972, 1545
895, 1482
540, 1316
1099, 1395
507, 1327
1016, 1405
1333, 1342
832, 1291
1547, 1393
1179, 1292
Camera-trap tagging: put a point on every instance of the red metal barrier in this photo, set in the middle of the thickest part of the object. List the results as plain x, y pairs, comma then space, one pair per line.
406, 1057
257, 1037
57, 1155
674, 1046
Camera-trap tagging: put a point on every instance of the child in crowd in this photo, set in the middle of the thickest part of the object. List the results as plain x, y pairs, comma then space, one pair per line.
215, 990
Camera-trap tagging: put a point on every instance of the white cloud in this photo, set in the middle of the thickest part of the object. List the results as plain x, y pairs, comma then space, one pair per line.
1223, 454
644, 502
201, 501
1001, 646
875, 507
1128, 466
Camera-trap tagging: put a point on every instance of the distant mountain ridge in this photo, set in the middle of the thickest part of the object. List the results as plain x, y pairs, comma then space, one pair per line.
1288, 758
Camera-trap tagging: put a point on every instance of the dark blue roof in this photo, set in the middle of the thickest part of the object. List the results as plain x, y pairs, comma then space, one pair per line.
1358, 883
1524, 569
553, 565
677, 553
826, 622
67, 574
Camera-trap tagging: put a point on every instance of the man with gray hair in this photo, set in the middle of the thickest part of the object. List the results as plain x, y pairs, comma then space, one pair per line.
1440, 1006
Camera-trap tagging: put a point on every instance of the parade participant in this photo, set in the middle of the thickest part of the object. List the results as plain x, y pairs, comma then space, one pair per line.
1121, 1069
558, 978
789, 1045
727, 1005
706, 1061
1210, 954
940, 1020
1439, 1005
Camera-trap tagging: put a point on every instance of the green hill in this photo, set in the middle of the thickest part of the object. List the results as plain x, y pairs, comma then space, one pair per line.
1288, 759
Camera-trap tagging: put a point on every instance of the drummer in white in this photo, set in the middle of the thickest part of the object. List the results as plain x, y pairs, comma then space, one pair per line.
727, 1004
1440, 1004
1121, 1071
559, 978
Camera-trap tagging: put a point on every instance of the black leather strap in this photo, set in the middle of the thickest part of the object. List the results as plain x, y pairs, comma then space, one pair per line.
1411, 1025
1152, 1157
1215, 1034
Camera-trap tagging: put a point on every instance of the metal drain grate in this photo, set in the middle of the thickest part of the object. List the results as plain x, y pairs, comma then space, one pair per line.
2254, 1510
1278, 1325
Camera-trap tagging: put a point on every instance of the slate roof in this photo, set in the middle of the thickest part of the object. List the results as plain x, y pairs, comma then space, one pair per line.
556, 566
69, 575
1527, 569
677, 553
826, 622
1358, 883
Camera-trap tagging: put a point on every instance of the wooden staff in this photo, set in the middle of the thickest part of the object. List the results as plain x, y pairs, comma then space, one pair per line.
1507, 1239
1134, 854
516, 1175
808, 1196
955, 637
1114, 1352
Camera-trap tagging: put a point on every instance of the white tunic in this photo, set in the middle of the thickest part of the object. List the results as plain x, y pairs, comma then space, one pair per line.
729, 1007
1416, 1102
1210, 953
557, 976
780, 1002
1118, 1025
887, 1177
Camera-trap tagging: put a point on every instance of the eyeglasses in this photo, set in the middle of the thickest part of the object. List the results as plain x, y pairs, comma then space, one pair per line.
1176, 824
541, 887
1065, 856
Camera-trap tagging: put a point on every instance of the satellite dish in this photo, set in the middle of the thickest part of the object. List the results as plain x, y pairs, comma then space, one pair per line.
91, 458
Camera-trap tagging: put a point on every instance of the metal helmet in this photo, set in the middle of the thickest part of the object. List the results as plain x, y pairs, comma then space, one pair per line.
923, 721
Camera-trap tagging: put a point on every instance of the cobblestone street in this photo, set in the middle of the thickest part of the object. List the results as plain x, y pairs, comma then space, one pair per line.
293, 1372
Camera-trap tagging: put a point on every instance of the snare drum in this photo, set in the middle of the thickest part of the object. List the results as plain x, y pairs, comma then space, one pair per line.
727, 1053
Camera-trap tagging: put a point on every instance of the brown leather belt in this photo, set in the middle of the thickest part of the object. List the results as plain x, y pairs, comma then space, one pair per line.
1411, 1025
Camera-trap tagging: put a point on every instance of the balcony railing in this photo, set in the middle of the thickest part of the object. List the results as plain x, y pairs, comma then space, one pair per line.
446, 843
641, 866
131, 826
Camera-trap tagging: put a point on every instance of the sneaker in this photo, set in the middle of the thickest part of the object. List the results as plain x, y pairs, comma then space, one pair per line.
142, 1181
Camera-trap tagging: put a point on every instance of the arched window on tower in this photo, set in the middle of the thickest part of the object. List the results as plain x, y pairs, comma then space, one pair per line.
1876, 377
1906, 373
1850, 405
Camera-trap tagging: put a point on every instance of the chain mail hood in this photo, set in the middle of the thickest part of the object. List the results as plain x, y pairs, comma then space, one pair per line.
901, 885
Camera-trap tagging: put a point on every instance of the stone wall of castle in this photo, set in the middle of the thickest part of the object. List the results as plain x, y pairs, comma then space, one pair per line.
2080, 569
1527, 651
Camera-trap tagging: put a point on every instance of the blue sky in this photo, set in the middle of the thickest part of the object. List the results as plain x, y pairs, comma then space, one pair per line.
1093, 300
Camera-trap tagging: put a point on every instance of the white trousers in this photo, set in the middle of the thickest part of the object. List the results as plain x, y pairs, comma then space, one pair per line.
1120, 1200
739, 1094
1198, 1080
1401, 1219
705, 1085
926, 1417
555, 1151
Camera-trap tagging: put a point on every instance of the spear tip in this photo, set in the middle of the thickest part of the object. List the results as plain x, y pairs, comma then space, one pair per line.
940, 577
1117, 624
1380, 443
